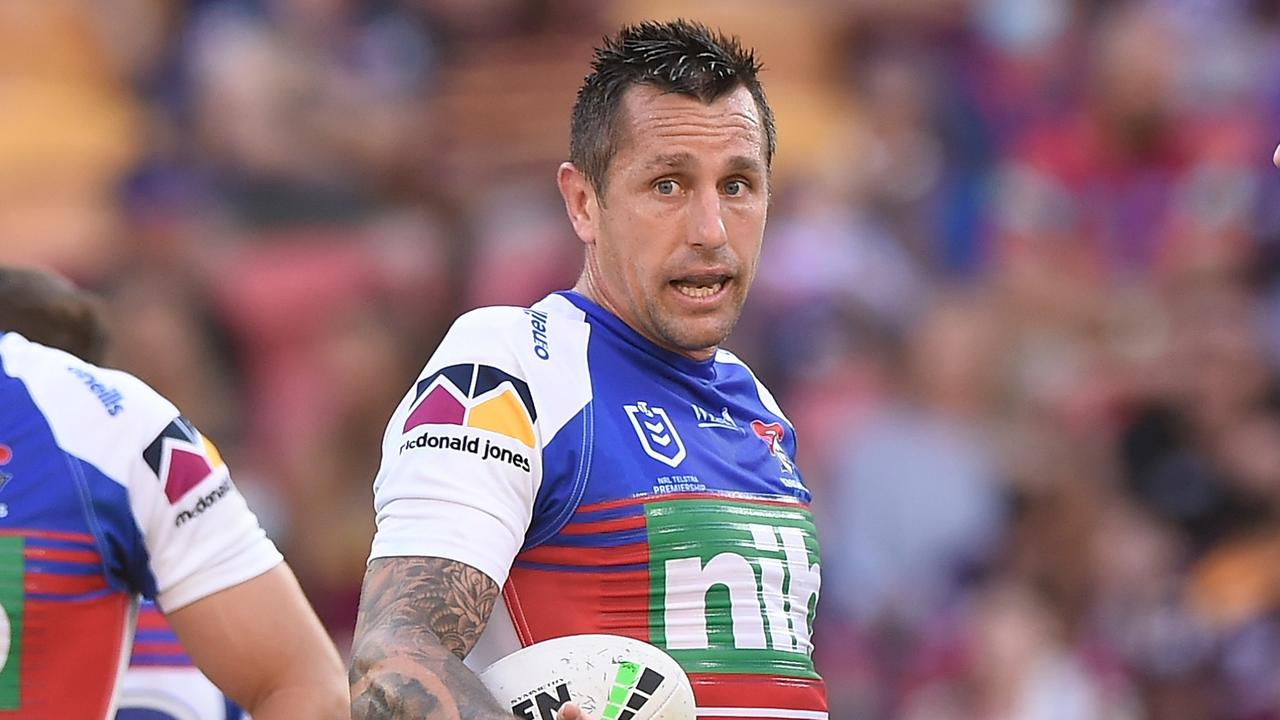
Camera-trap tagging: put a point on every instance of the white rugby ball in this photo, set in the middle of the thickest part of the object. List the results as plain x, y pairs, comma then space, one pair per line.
611, 677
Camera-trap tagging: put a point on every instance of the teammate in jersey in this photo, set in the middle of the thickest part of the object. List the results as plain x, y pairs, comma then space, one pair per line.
595, 463
107, 494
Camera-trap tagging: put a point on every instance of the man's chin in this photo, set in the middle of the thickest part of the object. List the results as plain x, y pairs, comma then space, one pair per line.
697, 339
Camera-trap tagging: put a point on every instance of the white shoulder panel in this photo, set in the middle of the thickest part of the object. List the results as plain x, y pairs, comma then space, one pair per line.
95, 414
561, 382
462, 454
200, 535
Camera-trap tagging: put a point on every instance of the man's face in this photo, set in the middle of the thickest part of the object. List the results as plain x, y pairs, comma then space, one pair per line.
674, 242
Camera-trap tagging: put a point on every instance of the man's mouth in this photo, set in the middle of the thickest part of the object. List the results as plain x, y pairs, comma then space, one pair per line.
700, 287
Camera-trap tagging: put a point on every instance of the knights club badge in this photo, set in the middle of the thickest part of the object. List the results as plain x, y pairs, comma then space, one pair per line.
772, 434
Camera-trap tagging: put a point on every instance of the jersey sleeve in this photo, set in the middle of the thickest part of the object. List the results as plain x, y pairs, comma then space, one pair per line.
462, 454
200, 535
154, 491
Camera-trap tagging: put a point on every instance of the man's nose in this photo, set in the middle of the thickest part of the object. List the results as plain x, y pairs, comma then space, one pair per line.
706, 221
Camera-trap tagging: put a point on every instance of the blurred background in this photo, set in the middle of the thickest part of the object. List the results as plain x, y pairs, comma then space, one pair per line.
1020, 294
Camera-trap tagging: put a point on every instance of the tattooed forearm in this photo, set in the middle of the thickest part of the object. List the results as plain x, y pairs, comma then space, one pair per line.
447, 600
418, 618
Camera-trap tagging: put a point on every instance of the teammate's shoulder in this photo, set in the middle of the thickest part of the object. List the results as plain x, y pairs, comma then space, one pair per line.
57, 379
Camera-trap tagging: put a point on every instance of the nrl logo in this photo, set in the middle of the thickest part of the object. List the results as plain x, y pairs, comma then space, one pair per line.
657, 434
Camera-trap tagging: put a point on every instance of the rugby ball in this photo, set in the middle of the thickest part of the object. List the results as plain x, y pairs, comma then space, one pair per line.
609, 676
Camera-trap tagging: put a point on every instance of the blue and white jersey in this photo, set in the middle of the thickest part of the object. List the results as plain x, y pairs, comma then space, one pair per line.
608, 485
106, 494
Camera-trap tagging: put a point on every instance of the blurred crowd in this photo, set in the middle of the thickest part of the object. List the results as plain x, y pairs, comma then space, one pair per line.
1020, 294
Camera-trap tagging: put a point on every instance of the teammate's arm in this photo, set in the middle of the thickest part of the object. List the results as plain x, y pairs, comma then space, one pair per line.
418, 618
260, 642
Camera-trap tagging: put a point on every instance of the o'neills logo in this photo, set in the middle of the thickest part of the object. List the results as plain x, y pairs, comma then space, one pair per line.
204, 503
111, 398
470, 444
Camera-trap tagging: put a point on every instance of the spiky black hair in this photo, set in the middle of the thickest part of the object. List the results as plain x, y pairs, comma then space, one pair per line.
677, 56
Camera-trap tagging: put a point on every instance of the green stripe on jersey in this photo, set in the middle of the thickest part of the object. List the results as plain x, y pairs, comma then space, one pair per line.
12, 601
734, 585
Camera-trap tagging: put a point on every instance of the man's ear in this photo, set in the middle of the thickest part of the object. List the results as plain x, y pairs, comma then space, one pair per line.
580, 201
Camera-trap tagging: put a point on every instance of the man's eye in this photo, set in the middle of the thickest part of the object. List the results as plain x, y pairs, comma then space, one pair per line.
666, 187
734, 187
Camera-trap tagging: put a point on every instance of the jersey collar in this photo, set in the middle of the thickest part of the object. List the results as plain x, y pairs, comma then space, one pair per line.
704, 369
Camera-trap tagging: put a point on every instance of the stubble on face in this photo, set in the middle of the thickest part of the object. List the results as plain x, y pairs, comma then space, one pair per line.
652, 249
700, 334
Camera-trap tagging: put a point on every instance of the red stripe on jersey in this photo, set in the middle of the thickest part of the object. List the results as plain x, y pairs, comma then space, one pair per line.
641, 500
596, 558
546, 604
604, 526
80, 643
152, 619
758, 691
50, 535
516, 609
170, 647
49, 584
62, 555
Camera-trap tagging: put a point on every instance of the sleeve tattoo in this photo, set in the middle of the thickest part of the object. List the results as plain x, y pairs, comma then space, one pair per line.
418, 618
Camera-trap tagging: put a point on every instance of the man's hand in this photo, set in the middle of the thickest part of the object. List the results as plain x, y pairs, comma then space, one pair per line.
569, 711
